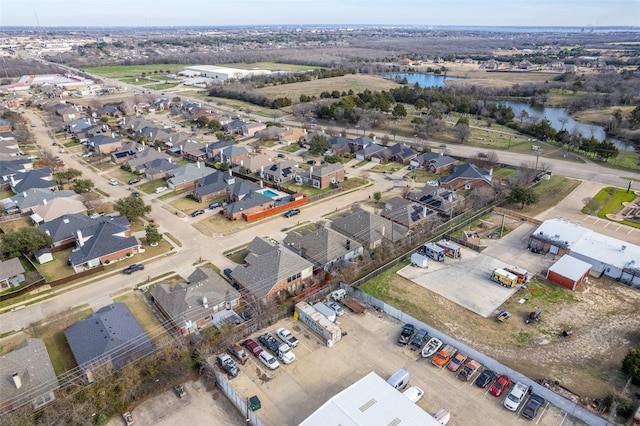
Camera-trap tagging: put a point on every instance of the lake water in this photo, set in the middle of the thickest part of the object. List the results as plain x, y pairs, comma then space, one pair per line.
423, 80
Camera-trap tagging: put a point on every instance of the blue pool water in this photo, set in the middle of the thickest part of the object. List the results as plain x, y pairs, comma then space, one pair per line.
270, 193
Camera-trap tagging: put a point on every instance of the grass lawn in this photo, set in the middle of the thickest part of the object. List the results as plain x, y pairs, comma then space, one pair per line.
142, 314
238, 256
305, 189
149, 252
187, 204
389, 167
121, 71
422, 176
13, 225
122, 175
352, 183
550, 192
150, 187
290, 148
166, 195
160, 86
57, 268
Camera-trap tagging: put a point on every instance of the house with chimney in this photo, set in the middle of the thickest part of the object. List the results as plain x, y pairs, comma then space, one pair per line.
232, 155
467, 176
186, 176
104, 144
63, 229
27, 375
253, 164
213, 185
271, 272
27, 201
322, 176
369, 229
30, 179
280, 172
434, 162
374, 152
435, 198
56, 207
325, 248
407, 213
206, 299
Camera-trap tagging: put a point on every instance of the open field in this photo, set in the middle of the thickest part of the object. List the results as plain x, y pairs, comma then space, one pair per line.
121, 71
475, 76
550, 192
271, 66
358, 83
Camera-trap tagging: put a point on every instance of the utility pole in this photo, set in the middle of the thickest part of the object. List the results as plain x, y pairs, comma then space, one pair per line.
537, 157
629, 187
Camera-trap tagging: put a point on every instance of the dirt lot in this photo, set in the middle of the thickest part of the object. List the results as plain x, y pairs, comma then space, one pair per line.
292, 392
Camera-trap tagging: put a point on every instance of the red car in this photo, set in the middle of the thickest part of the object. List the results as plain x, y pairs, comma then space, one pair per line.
500, 385
252, 347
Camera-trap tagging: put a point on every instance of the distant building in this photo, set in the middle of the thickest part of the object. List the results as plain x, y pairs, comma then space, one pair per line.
221, 73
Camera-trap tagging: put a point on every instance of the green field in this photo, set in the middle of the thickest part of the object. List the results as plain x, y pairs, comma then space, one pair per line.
122, 71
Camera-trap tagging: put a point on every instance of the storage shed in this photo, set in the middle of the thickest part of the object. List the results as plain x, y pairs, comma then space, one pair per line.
568, 272
419, 260
44, 256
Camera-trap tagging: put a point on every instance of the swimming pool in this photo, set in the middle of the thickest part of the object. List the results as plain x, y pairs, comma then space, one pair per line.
270, 193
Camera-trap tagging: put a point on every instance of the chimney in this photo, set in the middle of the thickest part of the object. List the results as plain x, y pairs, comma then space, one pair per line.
491, 171
311, 170
198, 164
424, 211
383, 230
205, 302
230, 173
24, 194
80, 240
261, 184
16, 380
44, 201
13, 182
169, 159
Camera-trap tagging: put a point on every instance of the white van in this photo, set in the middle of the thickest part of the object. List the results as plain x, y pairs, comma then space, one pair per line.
269, 360
414, 393
400, 379
515, 397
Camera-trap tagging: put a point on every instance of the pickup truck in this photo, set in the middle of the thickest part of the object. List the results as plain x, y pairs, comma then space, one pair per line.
406, 334
228, 364
443, 356
468, 369
281, 350
287, 337
457, 361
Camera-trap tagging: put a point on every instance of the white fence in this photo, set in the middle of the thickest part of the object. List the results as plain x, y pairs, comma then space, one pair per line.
568, 406
237, 400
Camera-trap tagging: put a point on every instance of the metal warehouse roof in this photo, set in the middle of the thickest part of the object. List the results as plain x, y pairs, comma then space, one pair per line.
570, 267
560, 230
607, 250
370, 401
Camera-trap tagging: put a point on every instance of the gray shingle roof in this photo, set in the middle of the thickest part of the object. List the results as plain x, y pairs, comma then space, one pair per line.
36, 197
112, 333
101, 241
252, 199
32, 363
468, 171
38, 178
368, 228
65, 227
10, 268
188, 173
321, 246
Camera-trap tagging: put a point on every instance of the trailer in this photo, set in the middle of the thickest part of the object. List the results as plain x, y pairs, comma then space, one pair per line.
504, 278
318, 323
326, 311
523, 275
450, 249
433, 251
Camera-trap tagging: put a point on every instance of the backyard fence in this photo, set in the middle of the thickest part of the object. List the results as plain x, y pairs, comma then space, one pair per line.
239, 402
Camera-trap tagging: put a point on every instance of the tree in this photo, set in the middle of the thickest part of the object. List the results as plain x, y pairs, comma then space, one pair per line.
214, 125
461, 131
377, 196
419, 105
318, 145
65, 176
631, 365
131, 207
83, 185
202, 121
523, 195
399, 111
153, 236
24, 240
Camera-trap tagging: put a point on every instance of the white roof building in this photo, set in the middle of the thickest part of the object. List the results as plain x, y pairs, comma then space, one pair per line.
221, 73
370, 401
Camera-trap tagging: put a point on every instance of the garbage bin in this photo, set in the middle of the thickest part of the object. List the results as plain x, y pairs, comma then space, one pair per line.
254, 403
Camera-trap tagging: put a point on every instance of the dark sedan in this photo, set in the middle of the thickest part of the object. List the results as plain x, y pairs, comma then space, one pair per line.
486, 378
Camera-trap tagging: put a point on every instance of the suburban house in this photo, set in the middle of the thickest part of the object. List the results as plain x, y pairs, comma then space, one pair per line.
145, 158
104, 144
369, 229
434, 162
9, 168
27, 200
322, 176
11, 273
5, 125
281, 172
306, 139
205, 300
340, 145
213, 149
58, 206
185, 177
401, 153
251, 128
109, 111
62, 229
36, 178
255, 163
102, 243
435, 198
291, 135
608, 256
9, 146
213, 185
126, 151
107, 340
70, 112
271, 132
27, 375
232, 154
272, 272
374, 152
325, 248
406, 212
234, 127
251, 202
360, 143
467, 176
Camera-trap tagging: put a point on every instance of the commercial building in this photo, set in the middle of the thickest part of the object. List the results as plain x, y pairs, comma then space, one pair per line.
221, 73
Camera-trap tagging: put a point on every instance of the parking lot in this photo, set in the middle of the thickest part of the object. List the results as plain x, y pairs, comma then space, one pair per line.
292, 392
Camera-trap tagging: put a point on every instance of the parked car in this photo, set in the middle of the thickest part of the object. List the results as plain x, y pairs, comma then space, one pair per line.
286, 336
252, 347
411, 167
311, 162
179, 389
292, 212
483, 155
215, 205
457, 361
486, 377
228, 365
333, 305
239, 353
128, 418
530, 411
268, 360
113, 182
247, 314
281, 155
135, 194
227, 273
414, 393
418, 341
500, 385
161, 189
516, 396
406, 334
197, 213
133, 181
133, 268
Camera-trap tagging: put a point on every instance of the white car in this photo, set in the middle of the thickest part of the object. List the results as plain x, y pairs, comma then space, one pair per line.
414, 393
286, 354
338, 310
113, 182
432, 183
269, 360
161, 189
287, 337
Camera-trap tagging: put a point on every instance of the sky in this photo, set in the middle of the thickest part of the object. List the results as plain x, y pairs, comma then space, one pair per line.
150, 13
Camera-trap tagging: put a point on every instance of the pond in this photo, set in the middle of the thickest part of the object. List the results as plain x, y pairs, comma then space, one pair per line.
423, 80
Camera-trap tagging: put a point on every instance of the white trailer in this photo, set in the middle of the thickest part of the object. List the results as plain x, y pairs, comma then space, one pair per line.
326, 311
318, 323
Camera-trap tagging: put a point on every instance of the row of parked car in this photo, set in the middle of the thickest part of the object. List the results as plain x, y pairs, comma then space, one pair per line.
280, 348
465, 368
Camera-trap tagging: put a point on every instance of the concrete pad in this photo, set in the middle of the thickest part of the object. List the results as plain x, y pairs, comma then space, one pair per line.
464, 281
